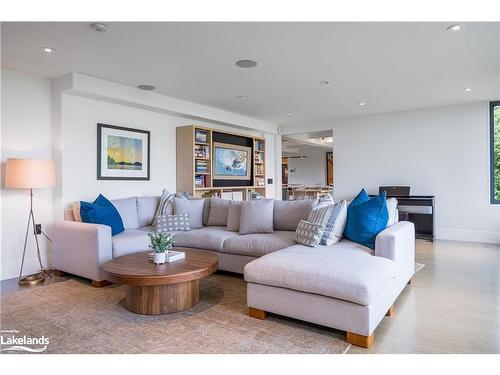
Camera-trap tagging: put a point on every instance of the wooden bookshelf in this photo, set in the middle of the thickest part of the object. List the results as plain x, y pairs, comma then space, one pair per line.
195, 149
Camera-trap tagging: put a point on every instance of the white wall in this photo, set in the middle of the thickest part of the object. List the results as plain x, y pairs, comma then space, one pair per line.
440, 151
310, 170
26, 133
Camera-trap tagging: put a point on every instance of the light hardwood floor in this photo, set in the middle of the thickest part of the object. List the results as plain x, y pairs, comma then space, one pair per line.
453, 305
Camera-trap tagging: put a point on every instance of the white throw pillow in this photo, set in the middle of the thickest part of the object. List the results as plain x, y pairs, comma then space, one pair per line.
392, 204
335, 225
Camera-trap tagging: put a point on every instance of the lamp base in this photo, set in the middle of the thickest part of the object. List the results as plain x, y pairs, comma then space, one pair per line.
30, 280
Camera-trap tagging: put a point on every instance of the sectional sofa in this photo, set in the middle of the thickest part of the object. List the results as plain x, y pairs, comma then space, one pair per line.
345, 286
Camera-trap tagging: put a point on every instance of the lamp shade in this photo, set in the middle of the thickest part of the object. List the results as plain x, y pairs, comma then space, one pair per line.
29, 174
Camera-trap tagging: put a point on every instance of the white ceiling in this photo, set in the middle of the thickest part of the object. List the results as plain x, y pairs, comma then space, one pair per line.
390, 66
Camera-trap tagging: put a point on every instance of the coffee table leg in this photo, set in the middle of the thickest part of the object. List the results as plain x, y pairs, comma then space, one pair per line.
162, 299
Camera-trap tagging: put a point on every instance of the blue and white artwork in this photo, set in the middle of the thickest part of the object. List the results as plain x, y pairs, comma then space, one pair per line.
231, 163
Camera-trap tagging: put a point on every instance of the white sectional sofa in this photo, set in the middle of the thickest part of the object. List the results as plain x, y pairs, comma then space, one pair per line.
344, 286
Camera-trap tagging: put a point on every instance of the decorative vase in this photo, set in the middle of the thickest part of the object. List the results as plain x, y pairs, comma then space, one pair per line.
159, 258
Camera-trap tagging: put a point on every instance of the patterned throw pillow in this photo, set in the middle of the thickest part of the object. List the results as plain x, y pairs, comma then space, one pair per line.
172, 223
335, 224
166, 206
308, 233
320, 215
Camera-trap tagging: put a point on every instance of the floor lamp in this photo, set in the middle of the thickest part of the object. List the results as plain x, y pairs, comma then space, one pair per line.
30, 174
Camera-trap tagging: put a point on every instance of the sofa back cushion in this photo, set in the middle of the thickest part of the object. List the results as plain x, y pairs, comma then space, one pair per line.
233, 216
287, 214
127, 208
192, 207
218, 212
146, 210
256, 216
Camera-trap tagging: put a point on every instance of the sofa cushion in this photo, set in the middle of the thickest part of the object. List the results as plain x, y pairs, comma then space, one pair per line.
256, 216
259, 244
127, 208
345, 271
233, 216
218, 212
207, 238
146, 210
287, 214
131, 241
192, 207
172, 223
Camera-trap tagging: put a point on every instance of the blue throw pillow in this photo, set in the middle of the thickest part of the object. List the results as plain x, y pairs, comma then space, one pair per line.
102, 211
366, 217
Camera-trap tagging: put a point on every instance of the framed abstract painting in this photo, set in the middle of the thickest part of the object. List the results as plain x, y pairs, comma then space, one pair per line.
122, 153
232, 162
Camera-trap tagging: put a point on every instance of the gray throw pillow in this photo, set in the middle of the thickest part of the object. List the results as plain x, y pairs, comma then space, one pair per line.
287, 214
233, 216
308, 233
192, 207
218, 211
256, 216
335, 225
172, 223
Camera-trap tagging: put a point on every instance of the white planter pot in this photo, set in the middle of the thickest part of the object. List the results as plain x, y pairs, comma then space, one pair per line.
159, 258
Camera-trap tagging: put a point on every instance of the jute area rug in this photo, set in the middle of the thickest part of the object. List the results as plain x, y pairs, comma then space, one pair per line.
80, 319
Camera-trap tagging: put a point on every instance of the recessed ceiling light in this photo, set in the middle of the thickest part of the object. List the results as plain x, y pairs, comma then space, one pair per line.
290, 113
241, 97
466, 89
456, 27
246, 63
325, 82
48, 49
146, 87
361, 104
99, 27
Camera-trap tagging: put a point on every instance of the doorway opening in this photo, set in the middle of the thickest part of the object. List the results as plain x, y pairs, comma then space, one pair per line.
307, 165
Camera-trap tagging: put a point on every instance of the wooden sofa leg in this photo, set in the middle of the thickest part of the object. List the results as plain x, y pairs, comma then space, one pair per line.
59, 273
360, 340
411, 280
390, 312
100, 283
257, 313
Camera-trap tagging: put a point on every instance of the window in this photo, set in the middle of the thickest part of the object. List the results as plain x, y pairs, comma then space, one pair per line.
495, 152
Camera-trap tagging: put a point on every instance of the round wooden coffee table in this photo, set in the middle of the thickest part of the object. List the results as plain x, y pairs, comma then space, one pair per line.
161, 289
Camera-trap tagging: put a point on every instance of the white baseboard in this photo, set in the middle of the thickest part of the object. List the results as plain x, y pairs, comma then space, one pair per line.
10, 269
467, 235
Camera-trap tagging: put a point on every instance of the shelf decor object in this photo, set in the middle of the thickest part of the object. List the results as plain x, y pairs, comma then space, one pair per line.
215, 163
30, 174
122, 153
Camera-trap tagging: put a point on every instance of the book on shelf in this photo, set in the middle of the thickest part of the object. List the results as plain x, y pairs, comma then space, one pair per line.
202, 151
201, 166
201, 136
200, 181
259, 157
259, 145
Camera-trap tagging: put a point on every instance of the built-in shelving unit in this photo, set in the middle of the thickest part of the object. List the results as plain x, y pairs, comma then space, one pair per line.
195, 165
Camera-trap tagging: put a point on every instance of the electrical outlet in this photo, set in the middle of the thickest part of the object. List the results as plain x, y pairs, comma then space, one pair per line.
38, 228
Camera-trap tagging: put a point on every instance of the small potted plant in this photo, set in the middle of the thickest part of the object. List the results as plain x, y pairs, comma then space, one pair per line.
161, 243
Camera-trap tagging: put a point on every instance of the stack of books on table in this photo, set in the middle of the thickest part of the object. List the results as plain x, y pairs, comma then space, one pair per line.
172, 256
